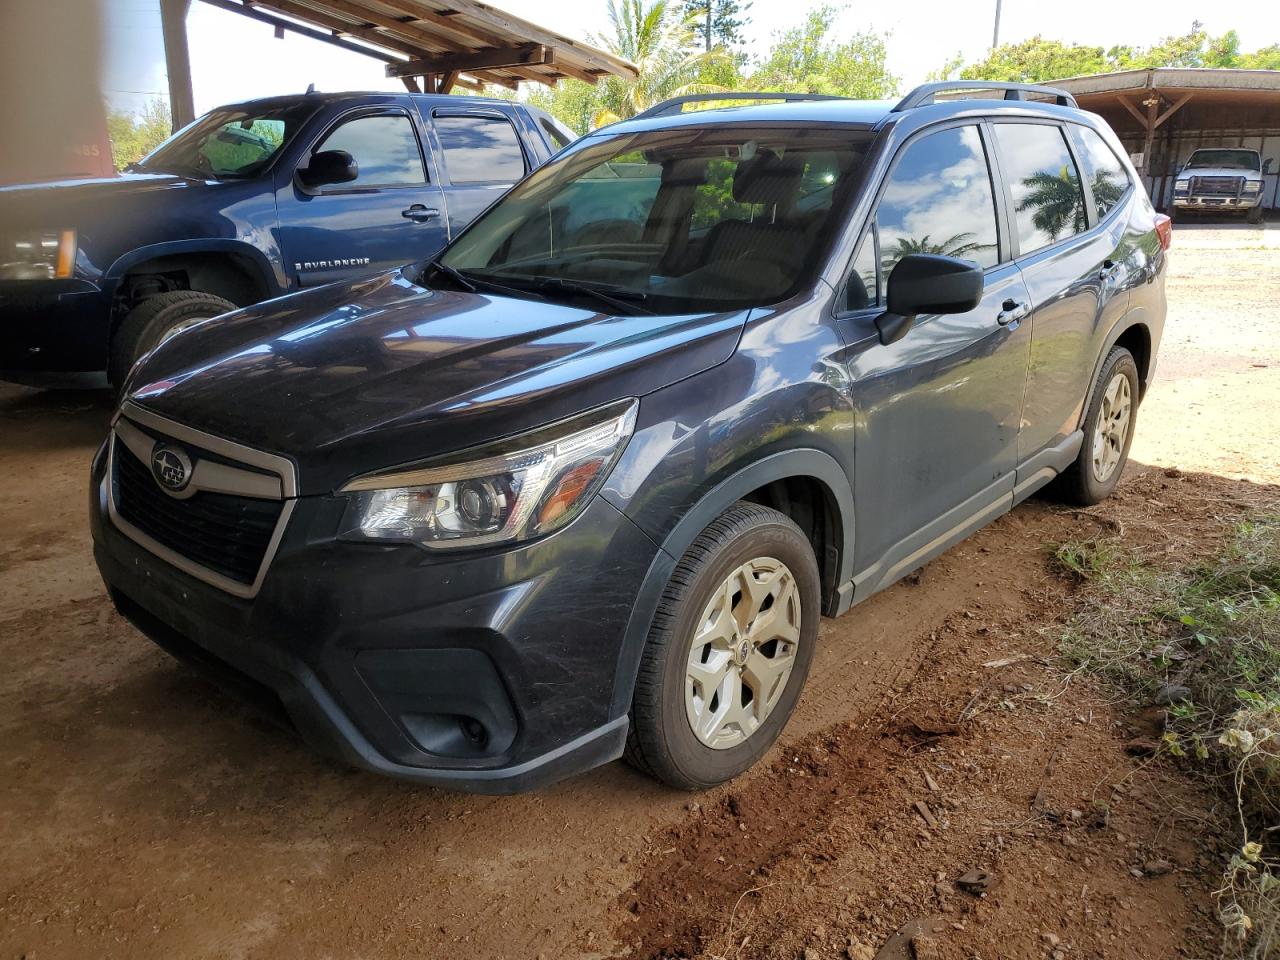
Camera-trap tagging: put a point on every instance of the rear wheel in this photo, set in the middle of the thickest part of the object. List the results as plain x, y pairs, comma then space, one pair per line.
156, 319
728, 652
1108, 432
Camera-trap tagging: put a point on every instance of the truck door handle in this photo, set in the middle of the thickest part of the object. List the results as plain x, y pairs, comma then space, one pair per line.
1012, 311
420, 213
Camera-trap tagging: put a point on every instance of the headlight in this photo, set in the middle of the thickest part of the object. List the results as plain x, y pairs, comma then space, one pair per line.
1181, 186
492, 497
1252, 186
38, 256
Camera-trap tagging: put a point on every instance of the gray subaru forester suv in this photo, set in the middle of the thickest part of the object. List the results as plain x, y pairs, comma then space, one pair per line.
583, 485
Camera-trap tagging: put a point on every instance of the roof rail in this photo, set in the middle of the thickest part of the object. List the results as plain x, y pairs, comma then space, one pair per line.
926, 93
676, 104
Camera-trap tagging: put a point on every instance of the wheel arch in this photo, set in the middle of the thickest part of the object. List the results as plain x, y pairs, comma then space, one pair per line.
1134, 336
232, 269
823, 488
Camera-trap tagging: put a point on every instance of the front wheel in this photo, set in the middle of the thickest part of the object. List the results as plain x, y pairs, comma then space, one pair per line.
1108, 432
155, 320
728, 651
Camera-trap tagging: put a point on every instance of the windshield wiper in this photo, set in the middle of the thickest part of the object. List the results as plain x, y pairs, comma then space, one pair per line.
625, 301
472, 283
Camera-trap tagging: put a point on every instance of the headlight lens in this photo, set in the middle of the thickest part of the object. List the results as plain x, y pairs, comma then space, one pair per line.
490, 499
44, 256
1252, 186
1181, 186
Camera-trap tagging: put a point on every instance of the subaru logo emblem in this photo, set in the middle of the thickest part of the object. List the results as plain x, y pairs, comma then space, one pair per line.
171, 467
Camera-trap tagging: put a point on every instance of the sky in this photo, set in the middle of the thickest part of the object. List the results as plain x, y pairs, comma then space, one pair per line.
234, 58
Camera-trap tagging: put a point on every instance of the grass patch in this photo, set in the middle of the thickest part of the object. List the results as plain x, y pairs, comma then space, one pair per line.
1204, 639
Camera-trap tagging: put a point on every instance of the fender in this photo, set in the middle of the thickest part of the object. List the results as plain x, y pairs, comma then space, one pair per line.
779, 466
1122, 326
272, 275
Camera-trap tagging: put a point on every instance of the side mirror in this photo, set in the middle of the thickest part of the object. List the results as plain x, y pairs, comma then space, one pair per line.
928, 283
328, 166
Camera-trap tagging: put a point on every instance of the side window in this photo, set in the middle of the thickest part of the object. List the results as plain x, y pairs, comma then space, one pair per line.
1048, 202
863, 290
939, 199
385, 148
480, 149
1108, 179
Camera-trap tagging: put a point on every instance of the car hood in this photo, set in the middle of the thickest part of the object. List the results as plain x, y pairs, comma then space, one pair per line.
373, 374
1220, 172
60, 194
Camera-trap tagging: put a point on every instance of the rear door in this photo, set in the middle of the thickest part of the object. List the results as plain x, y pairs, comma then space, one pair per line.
1077, 271
392, 213
938, 411
481, 157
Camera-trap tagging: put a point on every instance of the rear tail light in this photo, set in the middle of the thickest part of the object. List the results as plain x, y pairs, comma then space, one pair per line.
1164, 230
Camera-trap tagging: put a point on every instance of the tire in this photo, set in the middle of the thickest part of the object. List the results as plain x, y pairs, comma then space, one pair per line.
1081, 483
147, 324
661, 740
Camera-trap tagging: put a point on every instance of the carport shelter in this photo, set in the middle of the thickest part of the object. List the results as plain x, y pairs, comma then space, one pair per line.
1163, 115
434, 46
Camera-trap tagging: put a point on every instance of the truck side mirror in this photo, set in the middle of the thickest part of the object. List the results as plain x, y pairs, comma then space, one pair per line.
930, 284
326, 167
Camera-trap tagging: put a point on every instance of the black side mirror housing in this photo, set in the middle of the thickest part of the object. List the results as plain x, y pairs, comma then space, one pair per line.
326, 167
930, 284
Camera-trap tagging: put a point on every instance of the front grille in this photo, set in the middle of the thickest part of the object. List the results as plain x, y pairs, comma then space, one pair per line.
224, 533
1217, 186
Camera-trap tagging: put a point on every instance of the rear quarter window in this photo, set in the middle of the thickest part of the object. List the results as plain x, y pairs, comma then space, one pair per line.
1108, 179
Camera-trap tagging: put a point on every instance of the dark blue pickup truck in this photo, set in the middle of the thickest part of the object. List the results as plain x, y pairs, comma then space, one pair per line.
251, 201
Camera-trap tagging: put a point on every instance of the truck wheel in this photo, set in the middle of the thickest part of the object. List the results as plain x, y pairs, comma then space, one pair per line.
156, 319
1108, 432
728, 651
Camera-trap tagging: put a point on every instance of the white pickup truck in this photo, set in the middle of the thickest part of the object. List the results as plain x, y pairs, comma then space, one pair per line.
1229, 179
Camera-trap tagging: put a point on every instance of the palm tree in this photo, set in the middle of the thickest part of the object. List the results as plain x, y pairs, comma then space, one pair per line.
658, 38
955, 246
1056, 200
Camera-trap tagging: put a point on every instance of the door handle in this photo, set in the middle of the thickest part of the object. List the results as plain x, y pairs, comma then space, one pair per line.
420, 213
1011, 312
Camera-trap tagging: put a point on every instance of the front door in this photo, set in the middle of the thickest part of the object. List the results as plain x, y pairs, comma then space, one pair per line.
938, 412
390, 214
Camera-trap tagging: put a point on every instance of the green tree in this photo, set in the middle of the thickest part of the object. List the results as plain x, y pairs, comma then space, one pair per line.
805, 60
1037, 60
718, 23
133, 136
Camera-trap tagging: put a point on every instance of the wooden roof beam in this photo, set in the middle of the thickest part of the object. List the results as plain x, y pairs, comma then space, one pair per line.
497, 57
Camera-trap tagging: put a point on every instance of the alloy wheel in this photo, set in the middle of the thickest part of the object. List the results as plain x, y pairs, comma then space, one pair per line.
1112, 429
743, 653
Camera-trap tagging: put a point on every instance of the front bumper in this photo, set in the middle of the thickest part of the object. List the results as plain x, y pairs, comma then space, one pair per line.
1217, 203
489, 672
54, 333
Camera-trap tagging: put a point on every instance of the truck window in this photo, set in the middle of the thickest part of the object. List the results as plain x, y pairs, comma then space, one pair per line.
385, 148
480, 149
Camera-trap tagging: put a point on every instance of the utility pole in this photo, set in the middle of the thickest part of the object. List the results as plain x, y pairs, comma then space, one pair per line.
995, 32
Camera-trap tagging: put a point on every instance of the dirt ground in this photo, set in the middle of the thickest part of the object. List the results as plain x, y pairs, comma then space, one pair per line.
145, 815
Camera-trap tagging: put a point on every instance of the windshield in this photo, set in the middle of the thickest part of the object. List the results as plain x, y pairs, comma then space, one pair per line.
1230, 159
227, 143
670, 221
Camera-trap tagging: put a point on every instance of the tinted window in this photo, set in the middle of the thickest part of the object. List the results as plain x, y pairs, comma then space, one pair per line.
939, 200
480, 149
863, 291
1048, 202
1108, 178
385, 149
